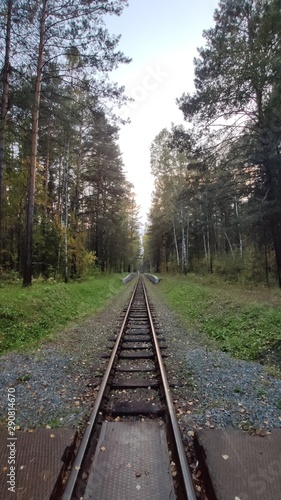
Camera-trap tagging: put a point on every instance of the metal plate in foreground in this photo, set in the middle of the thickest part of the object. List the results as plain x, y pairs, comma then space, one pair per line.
131, 463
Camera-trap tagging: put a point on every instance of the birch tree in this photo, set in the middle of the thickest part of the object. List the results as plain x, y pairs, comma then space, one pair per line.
169, 168
237, 80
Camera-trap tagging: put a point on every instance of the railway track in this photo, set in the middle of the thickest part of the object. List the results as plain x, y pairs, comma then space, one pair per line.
132, 448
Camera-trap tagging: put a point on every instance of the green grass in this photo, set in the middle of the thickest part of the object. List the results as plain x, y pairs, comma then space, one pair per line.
30, 314
245, 323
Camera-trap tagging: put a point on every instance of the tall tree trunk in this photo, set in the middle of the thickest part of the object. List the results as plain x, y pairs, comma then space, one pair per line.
265, 256
59, 191
229, 242
210, 264
66, 214
275, 216
238, 225
176, 244
183, 243
187, 242
76, 202
205, 245
4, 110
275, 225
27, 272
184, 264
46, 180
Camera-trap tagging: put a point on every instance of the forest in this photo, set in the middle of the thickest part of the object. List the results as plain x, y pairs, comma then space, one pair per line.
216, 204
66, 207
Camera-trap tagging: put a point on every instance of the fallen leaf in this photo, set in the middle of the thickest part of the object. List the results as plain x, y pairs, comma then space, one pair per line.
103, 448
226, 457
138, 487
52, 435
261, 432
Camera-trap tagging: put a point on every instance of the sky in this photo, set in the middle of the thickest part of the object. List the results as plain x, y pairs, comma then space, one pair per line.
161, 37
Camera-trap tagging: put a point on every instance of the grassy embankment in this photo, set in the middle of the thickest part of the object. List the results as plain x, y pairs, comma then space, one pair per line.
244, 322
30, 314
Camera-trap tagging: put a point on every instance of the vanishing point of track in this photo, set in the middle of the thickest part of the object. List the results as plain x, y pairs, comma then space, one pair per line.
135, 393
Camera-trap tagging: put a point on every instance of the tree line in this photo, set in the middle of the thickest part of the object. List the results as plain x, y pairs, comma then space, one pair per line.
65, 204
217, 198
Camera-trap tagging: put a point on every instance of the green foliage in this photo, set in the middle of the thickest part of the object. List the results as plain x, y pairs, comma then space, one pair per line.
170, 212
199, 266
30, 314
237, 89
90, 264
228, 267
253, 267
244, 327
247, 270
82, 201
7, 276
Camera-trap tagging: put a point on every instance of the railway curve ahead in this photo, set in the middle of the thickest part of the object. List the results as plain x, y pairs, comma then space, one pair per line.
132, 447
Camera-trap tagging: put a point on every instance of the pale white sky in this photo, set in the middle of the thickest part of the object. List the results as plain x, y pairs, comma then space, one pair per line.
161, 37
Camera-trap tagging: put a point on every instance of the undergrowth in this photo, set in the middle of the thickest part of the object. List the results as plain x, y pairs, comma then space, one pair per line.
246, 327
30, 314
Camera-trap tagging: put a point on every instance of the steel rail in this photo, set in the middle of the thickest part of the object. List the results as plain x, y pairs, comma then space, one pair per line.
187, 478
70, 485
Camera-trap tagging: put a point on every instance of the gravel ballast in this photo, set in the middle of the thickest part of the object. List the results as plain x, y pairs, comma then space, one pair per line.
217, 390
56, 383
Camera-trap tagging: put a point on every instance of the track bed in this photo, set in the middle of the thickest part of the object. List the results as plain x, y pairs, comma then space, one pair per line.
132, 446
